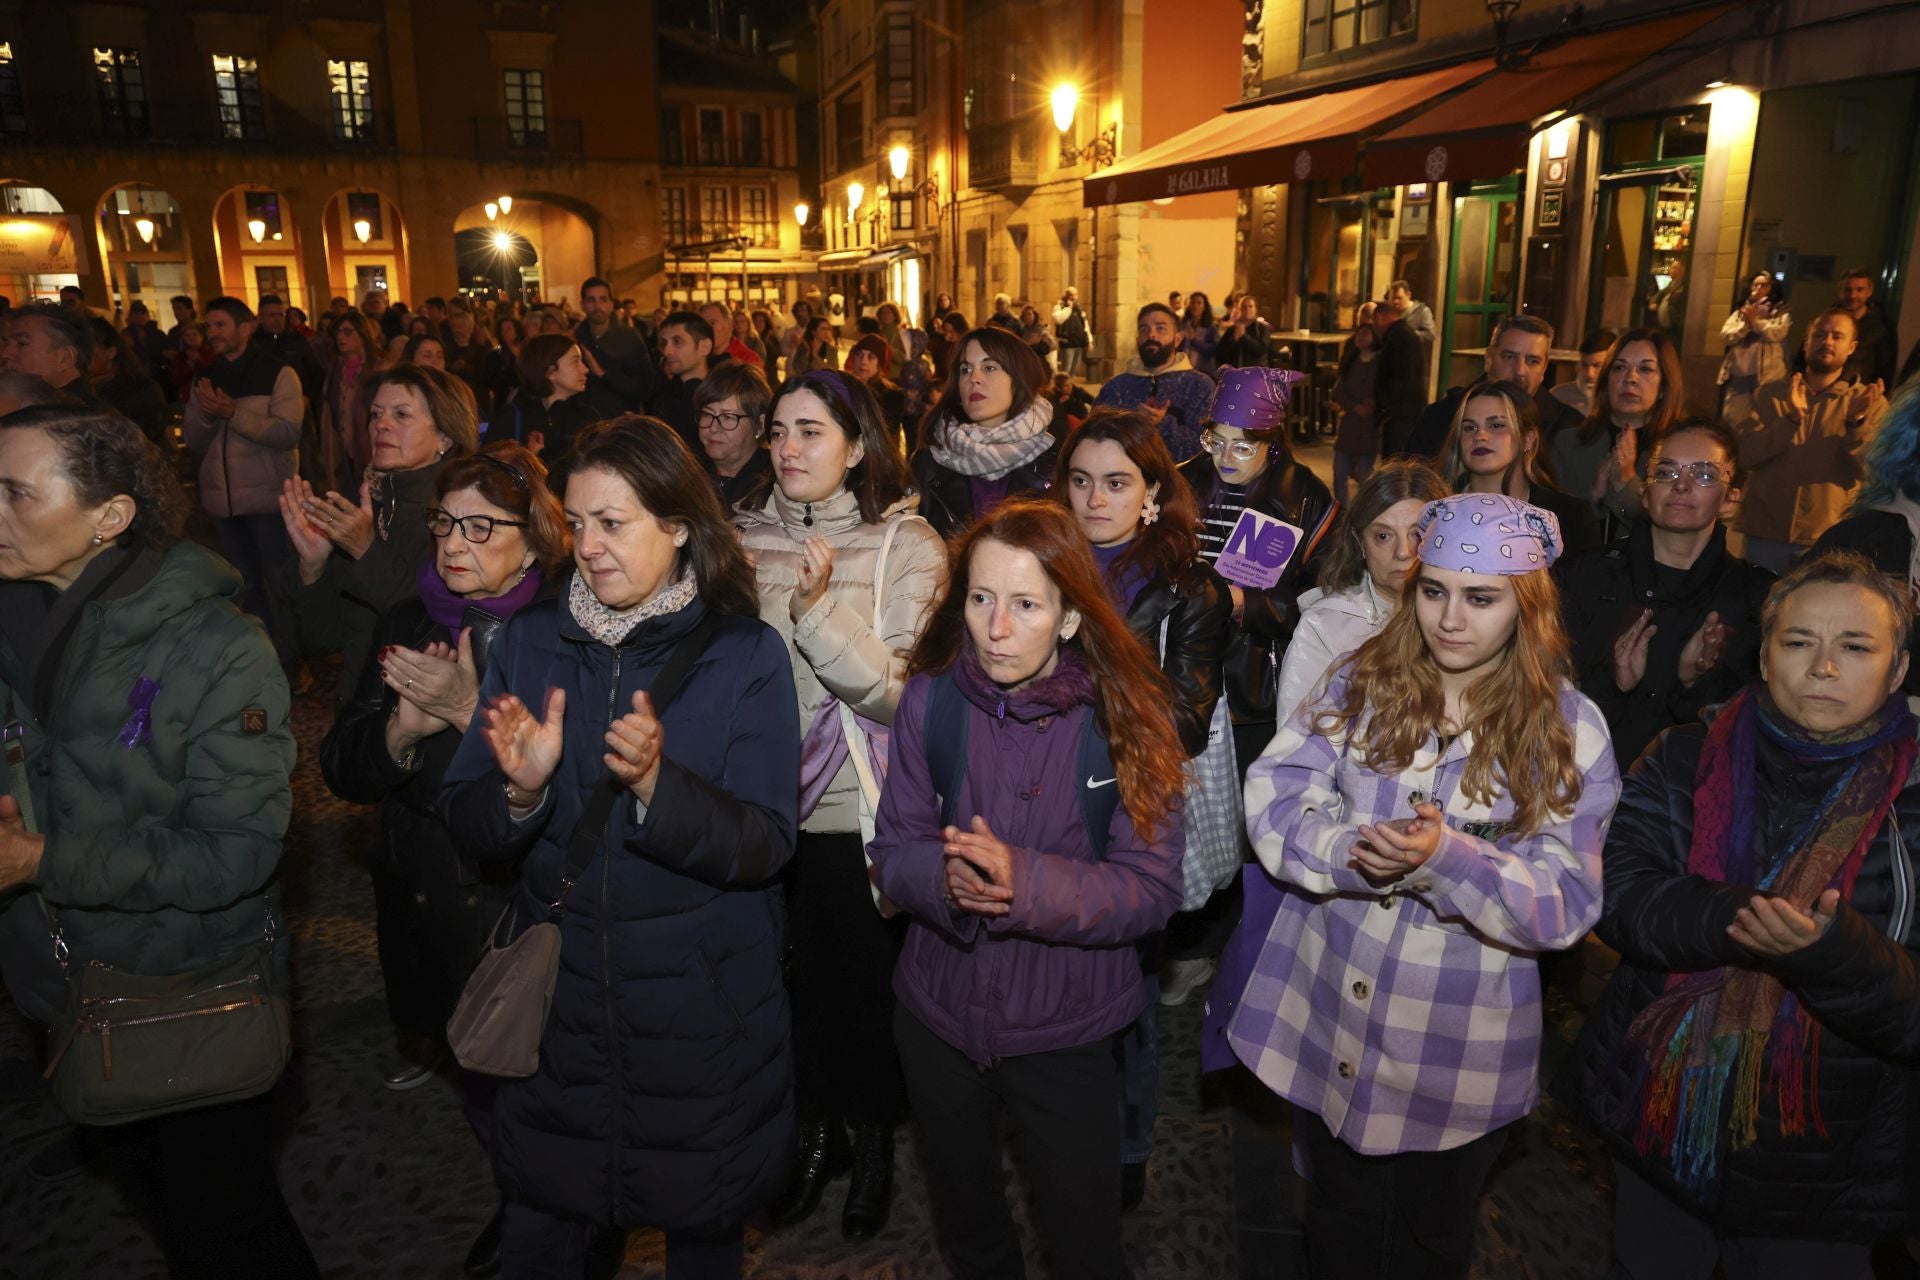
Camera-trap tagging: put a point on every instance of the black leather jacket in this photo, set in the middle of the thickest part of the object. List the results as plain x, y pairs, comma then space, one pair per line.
947, 502
1197, 611
1266, 624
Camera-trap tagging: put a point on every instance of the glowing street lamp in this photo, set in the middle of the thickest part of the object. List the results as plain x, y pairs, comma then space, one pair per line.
144, 225
897, 160
1066, 99
506, 204
493, 211
800, 212
257, 228
362, 230
502, 242
855, 194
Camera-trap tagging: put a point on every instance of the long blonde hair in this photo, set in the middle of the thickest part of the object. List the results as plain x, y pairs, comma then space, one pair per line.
1521, 743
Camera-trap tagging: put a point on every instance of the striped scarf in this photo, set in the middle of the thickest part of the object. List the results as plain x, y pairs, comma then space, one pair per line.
1715, 1041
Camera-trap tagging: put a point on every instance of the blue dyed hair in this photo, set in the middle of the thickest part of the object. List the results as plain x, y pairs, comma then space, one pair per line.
1893, 456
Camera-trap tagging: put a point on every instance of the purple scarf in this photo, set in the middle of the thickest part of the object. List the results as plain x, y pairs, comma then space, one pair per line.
449, 610
824, 750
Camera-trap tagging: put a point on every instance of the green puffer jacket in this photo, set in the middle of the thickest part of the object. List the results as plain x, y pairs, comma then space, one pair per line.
159, 857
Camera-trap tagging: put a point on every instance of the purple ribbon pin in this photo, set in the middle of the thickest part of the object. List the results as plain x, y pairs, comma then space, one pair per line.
139, 725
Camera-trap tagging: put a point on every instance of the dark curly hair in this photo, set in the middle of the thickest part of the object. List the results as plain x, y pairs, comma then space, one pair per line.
103, 455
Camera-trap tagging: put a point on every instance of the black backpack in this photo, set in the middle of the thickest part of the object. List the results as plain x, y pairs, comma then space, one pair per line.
945, 736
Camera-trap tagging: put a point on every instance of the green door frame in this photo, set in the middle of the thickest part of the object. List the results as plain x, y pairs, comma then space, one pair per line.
1503, 191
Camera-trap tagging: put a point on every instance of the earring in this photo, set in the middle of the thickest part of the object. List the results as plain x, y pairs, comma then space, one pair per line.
1150, 512
97, 539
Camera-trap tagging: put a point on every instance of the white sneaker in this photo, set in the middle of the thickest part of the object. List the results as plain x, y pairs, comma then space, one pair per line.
1182, 978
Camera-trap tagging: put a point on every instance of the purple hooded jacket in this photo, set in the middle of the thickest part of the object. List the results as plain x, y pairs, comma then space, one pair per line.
1060, 968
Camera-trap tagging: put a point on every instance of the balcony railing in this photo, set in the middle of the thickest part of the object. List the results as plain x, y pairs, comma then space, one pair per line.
718, 153
762, 235
1000, 156
497, 138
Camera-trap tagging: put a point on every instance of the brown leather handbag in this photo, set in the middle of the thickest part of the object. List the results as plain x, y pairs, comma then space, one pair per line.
497, 1026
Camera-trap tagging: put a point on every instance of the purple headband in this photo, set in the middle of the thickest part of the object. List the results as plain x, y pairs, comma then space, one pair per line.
1254, 399
1488, 533
831, 378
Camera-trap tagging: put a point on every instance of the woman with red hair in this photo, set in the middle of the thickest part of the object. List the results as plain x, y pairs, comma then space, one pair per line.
1031, 843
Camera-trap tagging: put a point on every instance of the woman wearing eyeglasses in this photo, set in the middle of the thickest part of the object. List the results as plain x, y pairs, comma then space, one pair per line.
1496, 447
498, 536
1667, 622
730, 408
1245, 464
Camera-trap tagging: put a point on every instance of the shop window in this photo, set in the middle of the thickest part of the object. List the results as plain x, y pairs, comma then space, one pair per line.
1648, 201
1333, 26
236, 88
366, 206
122, 89
526, 102
673, 214
13, 106
350, 82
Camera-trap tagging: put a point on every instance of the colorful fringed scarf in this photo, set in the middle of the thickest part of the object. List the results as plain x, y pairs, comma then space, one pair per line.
1716, 1040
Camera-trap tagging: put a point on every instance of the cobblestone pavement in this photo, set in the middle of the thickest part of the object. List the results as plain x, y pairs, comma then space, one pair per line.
393, 1185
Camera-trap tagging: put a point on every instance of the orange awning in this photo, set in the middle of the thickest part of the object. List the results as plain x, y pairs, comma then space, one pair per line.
1312, 137
1482, 131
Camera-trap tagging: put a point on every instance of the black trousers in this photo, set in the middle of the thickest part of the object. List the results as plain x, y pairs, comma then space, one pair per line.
840, 976
1409, 1216
206, 1181
1062, 1104
429, 938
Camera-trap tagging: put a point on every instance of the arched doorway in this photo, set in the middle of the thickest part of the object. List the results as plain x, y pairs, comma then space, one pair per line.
559, 245
366, 243
258, 246
494, 263
143, 248
41, 248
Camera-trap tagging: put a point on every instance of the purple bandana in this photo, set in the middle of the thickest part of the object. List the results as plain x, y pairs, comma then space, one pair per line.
1254, 399
1488, 533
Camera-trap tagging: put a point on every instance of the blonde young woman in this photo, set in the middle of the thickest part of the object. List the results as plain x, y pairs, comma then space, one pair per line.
1430, 825
1496, 446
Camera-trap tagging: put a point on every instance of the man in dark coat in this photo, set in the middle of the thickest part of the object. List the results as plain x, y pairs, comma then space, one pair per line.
1666, 622
686, 347
620, 373
1400, 387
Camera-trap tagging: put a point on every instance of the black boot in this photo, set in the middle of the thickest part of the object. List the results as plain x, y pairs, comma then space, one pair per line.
870, 1193
483, 1259
823, 1156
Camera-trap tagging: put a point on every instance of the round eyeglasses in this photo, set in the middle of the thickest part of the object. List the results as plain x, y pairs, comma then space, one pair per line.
1702, 475
475, 529
1238, 450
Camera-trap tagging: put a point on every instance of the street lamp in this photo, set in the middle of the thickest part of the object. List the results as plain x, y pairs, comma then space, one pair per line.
897, 161
855, 194
493, 210
362, 230
1501, 11
800, 212
257, 228
144, 225
502, 242
1102, 148
506, 204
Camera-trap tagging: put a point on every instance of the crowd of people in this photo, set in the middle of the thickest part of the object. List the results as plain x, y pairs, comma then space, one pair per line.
882, 733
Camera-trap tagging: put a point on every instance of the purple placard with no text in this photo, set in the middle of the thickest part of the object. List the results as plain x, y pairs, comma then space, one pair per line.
1257, 551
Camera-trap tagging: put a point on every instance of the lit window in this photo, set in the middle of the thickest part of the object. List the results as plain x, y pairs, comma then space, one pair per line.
673, 213
351, 83
13, 107
122, 88
236, 86
526, 98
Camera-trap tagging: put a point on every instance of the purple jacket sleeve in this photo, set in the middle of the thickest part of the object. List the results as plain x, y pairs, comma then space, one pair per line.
1125, 897
909, 862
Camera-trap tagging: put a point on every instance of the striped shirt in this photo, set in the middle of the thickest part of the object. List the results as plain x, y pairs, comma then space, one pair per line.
1408, 1017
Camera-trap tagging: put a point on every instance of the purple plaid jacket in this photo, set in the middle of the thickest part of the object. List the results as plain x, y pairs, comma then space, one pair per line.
1408, 1018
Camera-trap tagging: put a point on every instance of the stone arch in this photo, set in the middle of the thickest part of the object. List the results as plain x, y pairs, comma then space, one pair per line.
263, 258
561, 236
380, 260
46, 234
146, 248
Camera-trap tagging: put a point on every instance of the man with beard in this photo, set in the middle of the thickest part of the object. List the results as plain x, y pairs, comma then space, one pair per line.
1801, 444
1667, 622
686, 346
620, 376
1518, 353
1161, 378
1400, 385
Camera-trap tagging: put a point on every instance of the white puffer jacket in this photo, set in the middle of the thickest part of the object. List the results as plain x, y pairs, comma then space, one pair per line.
836, 647
1331, 627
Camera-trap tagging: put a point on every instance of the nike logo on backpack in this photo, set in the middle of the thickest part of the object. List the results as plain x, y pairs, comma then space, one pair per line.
1095, 786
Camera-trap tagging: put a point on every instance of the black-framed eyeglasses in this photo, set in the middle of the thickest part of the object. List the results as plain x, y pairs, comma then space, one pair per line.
475, 529
1702, 475
722, 419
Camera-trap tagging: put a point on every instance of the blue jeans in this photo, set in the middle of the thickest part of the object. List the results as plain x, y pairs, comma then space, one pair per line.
536, 1245
1138, 1050
256, 545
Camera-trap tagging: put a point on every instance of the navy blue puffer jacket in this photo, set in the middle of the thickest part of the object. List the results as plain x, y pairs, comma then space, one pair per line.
664, 1095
